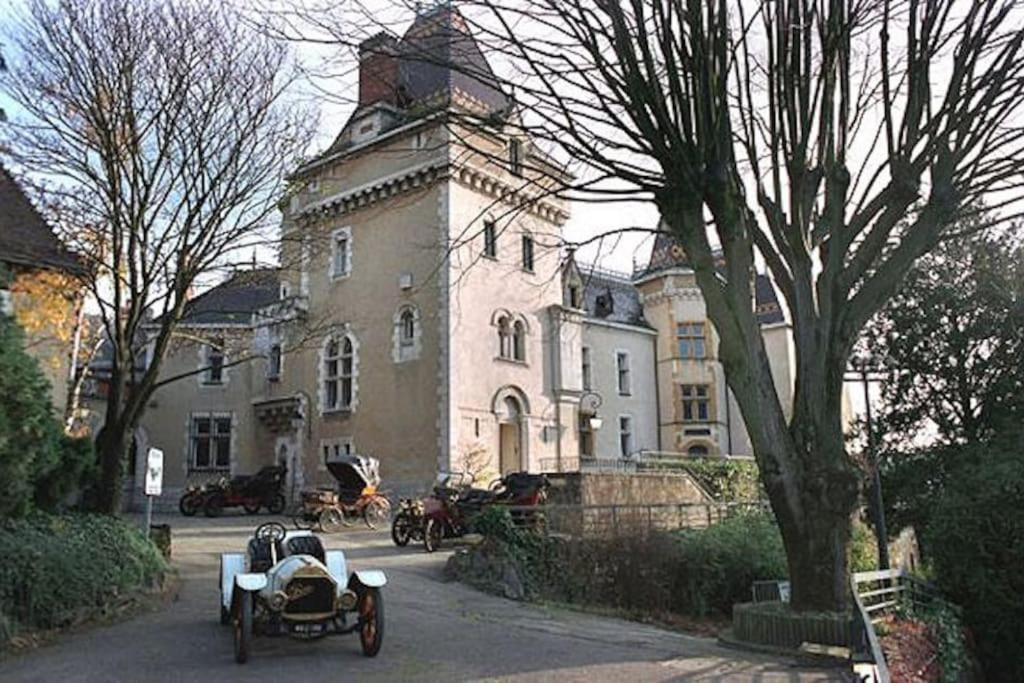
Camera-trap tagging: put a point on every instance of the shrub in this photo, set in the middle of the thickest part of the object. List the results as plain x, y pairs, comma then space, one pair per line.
727, 480
38, 464
718, 565
58, 568
976, 540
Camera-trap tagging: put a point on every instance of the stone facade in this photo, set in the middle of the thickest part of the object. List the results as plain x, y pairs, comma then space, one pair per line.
423, 314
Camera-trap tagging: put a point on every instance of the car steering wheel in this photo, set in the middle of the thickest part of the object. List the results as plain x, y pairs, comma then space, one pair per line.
272, 532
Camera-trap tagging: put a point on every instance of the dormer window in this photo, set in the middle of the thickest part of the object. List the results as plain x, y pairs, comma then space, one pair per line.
604, 304
214, 373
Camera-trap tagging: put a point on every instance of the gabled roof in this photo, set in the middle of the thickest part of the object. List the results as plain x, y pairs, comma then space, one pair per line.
26, 239
234, 301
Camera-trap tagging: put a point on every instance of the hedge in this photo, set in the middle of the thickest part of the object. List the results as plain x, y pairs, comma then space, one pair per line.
59, 569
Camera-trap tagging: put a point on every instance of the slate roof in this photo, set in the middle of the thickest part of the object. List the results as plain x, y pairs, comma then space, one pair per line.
438, 55
26, 239
666, 253
610, 297
233, 301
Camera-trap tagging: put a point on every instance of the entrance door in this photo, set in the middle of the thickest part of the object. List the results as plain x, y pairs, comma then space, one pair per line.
509, 446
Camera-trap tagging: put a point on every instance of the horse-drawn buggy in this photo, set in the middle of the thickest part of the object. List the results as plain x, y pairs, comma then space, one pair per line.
355, 497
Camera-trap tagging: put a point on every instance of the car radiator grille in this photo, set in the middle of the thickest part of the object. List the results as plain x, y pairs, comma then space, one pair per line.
309, 596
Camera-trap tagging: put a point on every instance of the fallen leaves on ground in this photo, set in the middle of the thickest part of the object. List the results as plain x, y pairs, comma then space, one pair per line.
910, 651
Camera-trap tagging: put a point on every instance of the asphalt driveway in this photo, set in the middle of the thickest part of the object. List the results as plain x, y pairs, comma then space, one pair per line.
435, 631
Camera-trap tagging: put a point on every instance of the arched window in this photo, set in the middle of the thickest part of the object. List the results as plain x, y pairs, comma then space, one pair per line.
406, 337
504, 337
519, 340
406, 328
697, 450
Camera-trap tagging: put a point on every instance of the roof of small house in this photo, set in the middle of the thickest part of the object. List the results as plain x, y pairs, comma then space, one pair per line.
611, 296
26, 239
234, 301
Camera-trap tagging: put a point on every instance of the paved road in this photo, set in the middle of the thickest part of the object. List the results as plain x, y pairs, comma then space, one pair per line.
436, 631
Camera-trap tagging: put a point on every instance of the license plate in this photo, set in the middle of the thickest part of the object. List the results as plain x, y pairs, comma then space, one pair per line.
308, 629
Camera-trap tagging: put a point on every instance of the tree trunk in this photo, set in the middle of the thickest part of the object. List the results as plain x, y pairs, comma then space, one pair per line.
111, 447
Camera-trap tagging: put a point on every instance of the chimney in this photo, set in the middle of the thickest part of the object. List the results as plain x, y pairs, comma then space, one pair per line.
378, 70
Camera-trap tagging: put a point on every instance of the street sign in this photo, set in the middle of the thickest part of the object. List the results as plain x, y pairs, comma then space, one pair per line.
154, 472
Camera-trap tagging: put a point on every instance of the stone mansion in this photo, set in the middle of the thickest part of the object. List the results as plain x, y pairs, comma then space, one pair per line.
425, 313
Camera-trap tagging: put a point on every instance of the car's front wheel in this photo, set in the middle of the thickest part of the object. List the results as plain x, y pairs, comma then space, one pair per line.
214, 505
276, 504
190, 503
243, 627
371, 614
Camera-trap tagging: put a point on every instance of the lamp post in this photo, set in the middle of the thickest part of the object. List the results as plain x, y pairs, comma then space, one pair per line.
861, 369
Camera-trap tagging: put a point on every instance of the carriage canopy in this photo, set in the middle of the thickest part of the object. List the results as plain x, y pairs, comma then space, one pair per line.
354, 472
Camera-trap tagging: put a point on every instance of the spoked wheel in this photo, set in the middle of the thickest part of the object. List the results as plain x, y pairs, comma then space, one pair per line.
214, 505
303, 521
243, 627
332, 520
276, 504
401, 530
190, 504
377, 512
433, 532
371, 613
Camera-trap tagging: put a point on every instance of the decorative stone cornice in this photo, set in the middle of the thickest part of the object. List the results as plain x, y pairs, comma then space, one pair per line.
670, 293
493, 186
374, 192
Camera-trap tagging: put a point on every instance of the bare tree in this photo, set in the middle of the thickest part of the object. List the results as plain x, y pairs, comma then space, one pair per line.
166, 130
833, 140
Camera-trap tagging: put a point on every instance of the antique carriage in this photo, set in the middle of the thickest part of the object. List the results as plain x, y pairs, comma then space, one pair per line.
356, 496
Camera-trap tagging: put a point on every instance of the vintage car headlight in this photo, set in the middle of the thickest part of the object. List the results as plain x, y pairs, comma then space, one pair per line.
347, 600
278, 600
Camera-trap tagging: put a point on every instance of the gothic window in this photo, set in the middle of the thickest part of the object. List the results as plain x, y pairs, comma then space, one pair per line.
407, 328
332, 374
348, 358
406, 334
339, 373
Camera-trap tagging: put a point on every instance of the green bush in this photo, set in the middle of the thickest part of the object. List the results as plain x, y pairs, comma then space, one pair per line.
717, 566
38, 464
976, 540
696, 572
727, 480
58, 568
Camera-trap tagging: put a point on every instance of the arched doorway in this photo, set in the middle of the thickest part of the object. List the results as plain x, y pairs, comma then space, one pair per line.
510, 419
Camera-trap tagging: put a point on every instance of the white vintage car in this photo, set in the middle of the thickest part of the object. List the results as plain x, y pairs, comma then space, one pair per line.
287, 584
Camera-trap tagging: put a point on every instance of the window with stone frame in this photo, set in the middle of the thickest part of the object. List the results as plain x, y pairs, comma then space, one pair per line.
339, 374
490, 240
691, 340
341, 253
504, 337
210, 441
528, 253
622, 371
696, 403
214, 372
625, 435
406, 328
519, 340
274, 358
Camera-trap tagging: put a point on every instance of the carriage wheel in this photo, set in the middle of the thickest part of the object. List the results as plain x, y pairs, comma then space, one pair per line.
243, 627
377, 512
332, 520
